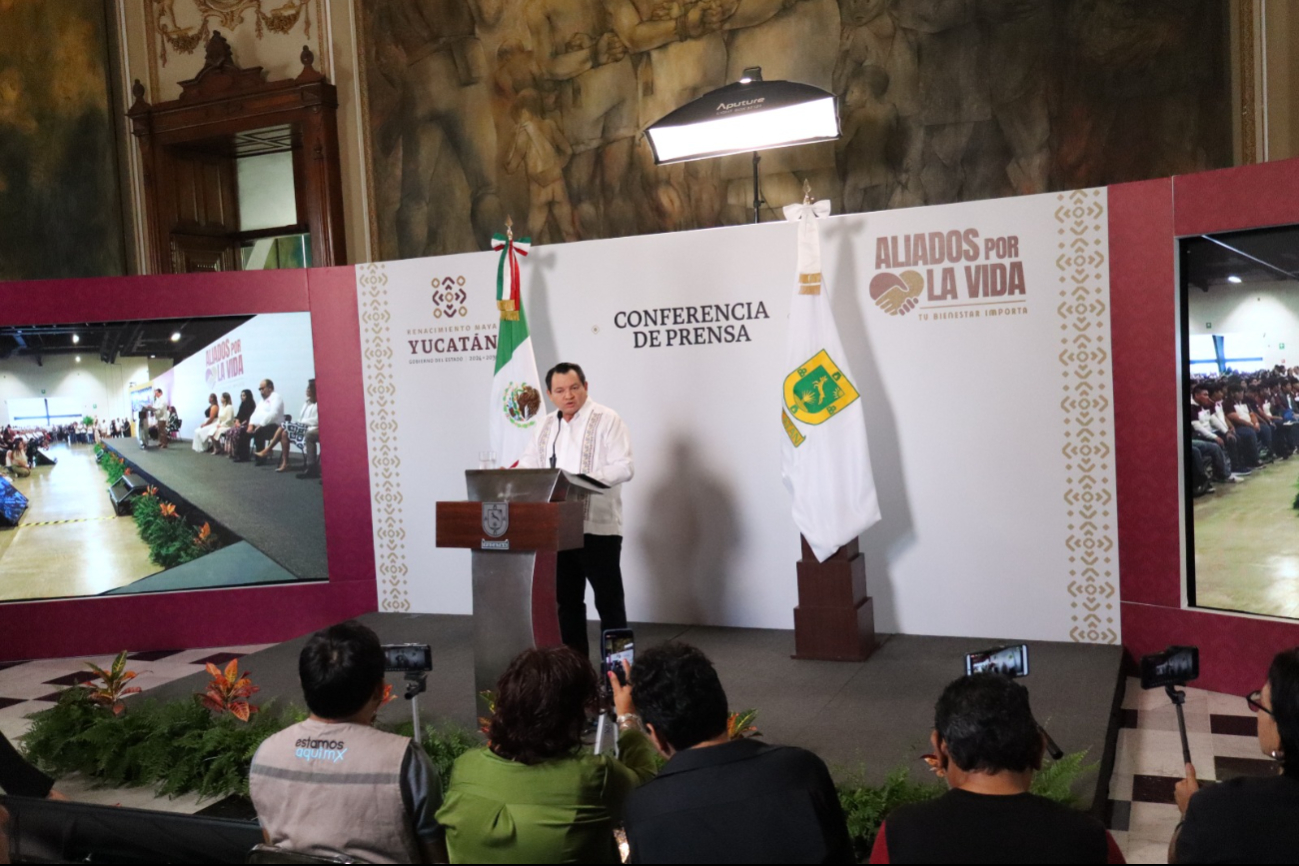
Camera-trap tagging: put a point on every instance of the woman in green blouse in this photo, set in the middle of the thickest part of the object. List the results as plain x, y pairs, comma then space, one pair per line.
533, 794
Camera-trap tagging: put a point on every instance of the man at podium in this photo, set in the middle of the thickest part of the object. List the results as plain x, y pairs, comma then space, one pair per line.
585, 438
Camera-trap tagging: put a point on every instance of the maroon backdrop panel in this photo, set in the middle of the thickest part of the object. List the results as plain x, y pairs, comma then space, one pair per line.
1252, 196
214, 617
179, 296
1145, 221
344, 453
1142, 305
1235, 651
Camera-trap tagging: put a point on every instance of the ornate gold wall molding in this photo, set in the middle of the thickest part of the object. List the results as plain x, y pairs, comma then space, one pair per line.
1247, 72
181, 27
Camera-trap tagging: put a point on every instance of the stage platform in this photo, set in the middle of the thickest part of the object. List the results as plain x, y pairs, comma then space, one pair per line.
864, 719
279, 515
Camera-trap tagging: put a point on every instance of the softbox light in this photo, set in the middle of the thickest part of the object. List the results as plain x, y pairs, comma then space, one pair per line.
743, 118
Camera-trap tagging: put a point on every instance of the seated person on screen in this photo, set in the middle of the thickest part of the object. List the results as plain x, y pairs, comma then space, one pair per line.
1250, 819
311, 418
720, 800
333, 785
988, 747
266, 419
16, 460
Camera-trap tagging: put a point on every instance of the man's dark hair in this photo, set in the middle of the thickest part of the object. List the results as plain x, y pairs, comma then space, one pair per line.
987, 725
1197, 388
1283, 677
565, 367
541, 704
676, 689
340, 667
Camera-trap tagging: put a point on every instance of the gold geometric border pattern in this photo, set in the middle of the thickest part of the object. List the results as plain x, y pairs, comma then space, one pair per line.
381, 424
1086, 407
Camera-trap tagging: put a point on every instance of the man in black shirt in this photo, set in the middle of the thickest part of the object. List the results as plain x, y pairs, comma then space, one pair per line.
720, 800
988, 746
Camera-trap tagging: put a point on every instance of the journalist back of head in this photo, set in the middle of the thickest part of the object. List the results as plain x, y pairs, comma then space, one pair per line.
333, 785
720, 800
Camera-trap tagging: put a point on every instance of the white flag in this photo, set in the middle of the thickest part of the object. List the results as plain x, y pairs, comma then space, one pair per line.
825, 462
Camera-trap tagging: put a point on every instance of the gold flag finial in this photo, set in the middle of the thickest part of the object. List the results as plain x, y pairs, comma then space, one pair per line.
509, 227
807, 191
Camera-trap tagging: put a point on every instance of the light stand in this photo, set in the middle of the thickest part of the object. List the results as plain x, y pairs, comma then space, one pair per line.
757, 196
416, 683
1178, 698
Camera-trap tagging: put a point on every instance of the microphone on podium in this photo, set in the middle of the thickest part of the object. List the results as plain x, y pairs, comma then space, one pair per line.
559, 421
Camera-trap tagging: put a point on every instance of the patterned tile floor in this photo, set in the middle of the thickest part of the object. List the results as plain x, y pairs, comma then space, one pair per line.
1148, 761
1221, 732
28, 687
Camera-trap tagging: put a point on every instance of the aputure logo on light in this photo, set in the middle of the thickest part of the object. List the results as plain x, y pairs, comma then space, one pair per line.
743, 103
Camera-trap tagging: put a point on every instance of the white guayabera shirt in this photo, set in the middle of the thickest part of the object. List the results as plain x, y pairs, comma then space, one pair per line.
594, 443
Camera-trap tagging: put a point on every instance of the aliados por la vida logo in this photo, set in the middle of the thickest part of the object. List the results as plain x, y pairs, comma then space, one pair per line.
957, 268
814, 393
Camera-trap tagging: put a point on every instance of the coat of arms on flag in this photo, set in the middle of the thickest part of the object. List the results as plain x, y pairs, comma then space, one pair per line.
817, 390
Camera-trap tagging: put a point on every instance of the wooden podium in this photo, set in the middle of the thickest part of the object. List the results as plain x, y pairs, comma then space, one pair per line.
516, 521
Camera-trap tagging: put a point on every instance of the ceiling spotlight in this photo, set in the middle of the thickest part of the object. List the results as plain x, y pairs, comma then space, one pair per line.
76, 338
175, 337
153, 356
78, 359
1233, 279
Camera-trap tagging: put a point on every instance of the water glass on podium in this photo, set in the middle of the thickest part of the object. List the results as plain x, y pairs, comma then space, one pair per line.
486, 459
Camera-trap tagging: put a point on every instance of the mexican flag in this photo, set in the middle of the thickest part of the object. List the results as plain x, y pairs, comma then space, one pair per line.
516, 387
825, 462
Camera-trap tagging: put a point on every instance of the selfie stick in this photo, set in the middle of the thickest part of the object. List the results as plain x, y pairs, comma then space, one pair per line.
416, 682
1179, 698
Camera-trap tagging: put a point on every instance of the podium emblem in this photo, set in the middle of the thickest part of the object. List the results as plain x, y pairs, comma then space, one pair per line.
496, 518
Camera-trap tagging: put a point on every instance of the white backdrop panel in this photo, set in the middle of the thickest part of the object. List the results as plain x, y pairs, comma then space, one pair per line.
971, 405
275, 346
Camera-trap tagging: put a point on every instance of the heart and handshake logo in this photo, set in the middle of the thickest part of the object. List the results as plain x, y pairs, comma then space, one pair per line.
897, 294
449, 297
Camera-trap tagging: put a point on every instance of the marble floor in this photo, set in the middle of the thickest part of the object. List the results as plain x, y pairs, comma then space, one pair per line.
1222, 733
1141, 814
1247, 543
69, 543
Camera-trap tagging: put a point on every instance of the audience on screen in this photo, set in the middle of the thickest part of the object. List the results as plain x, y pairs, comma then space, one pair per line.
1239, 424
1250, 819
987, 746
720, 800
334, 785
533, 795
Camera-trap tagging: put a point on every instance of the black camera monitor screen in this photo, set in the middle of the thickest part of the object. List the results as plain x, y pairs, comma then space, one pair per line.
1011, 661
1175, 666
618, 646
408, 657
